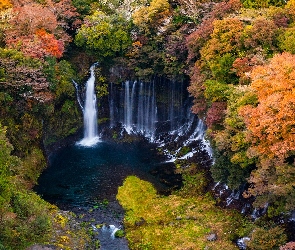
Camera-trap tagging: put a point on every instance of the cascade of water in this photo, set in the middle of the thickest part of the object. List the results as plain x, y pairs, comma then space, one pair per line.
112, 106
127, 108
77, 94
90, 113
140, 109
153, 108
171, 106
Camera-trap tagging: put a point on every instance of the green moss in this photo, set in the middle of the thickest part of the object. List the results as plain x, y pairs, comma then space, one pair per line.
119, 233
176, 222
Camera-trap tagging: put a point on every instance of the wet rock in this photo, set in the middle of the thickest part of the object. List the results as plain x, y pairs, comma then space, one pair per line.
212, 237
140, 222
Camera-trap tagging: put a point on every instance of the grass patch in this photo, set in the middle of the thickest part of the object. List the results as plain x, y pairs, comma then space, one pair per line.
176, 221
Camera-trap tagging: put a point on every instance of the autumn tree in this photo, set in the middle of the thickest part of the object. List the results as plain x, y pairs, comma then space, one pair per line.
261, 34
221, 50
271, 128
39, 30
151, 18
197, 39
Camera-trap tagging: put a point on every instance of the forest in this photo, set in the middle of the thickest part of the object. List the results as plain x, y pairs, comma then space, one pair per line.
238, 58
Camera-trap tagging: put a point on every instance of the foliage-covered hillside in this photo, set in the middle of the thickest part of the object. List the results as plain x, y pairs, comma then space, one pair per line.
237, 55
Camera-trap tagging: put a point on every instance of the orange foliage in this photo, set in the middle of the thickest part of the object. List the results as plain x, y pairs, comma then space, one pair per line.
272, 122
271, 129
49, 44
5, 4
30, 17
38, 30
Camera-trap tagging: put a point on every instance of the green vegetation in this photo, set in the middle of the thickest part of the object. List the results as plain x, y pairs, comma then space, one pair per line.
119, 233
25, 218
179, 221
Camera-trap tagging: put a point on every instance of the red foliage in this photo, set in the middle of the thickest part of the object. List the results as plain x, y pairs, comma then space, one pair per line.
196, 89
288, 246
215, 114
38, 30
281, 20
197, 39
65, 13
243, 67
262, 34
225, 7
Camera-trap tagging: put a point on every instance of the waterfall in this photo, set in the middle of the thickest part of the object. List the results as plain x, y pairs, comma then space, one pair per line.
137, 102
90, 113
112, 106
149, 108
77, 95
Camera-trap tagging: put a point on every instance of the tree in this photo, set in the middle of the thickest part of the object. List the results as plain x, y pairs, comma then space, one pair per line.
107, 35
286, 40
261, 33
221, 50
262, 4
38, 30
197, 39
271, 129
150, 18
232, 165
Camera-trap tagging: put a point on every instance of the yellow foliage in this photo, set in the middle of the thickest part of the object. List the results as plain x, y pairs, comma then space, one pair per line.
64, 239
152, 15
61, 220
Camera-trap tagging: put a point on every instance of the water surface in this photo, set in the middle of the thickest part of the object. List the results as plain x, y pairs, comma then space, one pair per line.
80, 176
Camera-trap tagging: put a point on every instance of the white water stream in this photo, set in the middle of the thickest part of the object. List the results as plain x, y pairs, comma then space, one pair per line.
90, 113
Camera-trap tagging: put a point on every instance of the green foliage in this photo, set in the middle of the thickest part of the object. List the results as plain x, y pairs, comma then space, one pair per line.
23, 216
286, 40
183, 151
194, 184
107, 36
267, 238
63, 116
19, 58
262, 4
33, 165
222, 49
216, 91
119, 233
149, 18
83, 6
232, 164
6, 163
